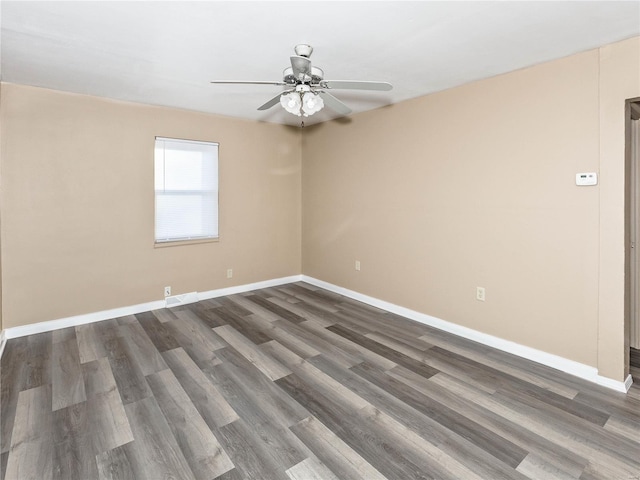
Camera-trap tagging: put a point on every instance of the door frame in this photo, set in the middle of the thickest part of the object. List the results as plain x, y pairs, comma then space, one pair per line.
632, 228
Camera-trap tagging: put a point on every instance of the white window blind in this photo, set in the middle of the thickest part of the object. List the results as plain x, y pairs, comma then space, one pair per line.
186, 186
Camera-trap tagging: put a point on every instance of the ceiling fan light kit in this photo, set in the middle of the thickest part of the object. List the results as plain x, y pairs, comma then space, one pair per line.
309, 94
301, 102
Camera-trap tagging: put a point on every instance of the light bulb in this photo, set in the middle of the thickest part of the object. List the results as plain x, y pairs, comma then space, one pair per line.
311, 103
291, 102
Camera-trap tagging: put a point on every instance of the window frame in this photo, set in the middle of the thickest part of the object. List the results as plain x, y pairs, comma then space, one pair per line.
187, 239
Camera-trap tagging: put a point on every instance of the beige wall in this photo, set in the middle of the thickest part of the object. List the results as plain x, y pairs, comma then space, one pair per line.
78, 204
475, 186
469, 187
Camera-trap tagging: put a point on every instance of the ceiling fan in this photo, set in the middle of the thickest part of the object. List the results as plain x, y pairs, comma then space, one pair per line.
307, 89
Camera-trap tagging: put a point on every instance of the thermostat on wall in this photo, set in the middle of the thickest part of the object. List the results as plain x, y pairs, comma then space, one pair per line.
585, 179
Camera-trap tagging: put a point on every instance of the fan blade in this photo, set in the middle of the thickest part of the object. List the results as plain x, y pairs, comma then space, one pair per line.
274, 101
301, 67
356, 85
333, 103
241, 82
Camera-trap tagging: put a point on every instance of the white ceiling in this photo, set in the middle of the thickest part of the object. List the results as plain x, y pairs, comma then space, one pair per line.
165, 53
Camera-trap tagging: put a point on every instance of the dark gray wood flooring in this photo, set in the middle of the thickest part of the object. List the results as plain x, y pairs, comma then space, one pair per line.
298, 383
634, 364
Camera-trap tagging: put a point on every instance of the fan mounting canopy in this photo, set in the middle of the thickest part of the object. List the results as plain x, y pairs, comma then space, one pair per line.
303, 50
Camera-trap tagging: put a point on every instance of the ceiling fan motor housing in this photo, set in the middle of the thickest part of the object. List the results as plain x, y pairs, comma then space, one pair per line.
316, 76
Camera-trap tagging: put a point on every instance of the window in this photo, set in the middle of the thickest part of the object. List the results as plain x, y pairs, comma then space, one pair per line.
186, 186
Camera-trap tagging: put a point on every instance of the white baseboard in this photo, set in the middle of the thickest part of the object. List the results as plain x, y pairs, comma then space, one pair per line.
76, 320
3, 342
41, 327
222, 292
577, 369
554, 361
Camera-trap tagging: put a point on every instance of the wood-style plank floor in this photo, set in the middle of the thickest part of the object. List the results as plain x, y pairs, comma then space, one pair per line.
298, 383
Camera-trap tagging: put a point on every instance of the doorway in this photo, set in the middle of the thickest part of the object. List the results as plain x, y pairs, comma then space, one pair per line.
633, 232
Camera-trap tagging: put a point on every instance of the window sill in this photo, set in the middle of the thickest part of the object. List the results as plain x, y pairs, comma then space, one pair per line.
177, 243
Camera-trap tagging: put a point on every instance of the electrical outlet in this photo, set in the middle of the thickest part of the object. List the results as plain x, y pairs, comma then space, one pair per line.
230, 273
358, 265
167, 291
480, 294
